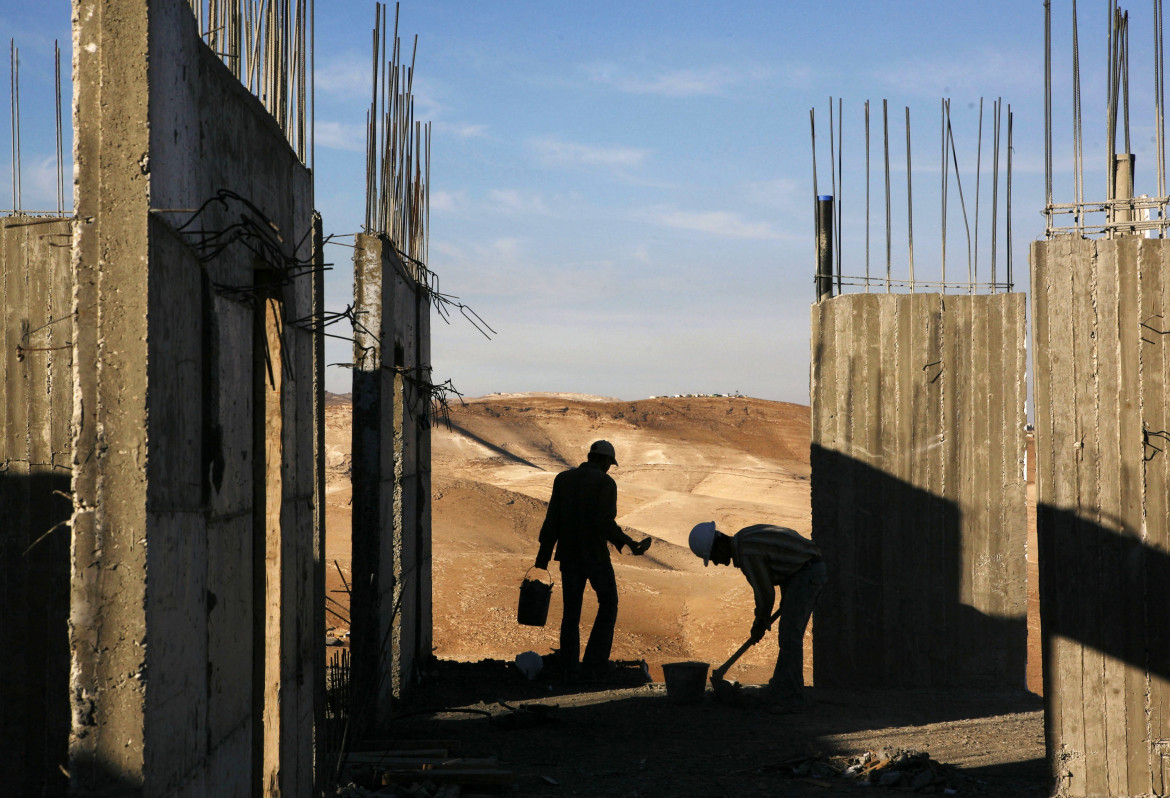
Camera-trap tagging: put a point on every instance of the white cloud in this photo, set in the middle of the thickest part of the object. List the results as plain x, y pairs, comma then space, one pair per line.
724, 224
678, 82
516, 202
463, 130
346, 76
556, 151
340, 136
963, 74
448, 201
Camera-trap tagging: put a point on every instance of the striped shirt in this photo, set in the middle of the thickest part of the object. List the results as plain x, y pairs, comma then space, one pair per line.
768, 556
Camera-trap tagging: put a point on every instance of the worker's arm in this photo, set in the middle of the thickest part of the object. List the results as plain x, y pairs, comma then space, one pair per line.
550, 529
607, 512
758, 576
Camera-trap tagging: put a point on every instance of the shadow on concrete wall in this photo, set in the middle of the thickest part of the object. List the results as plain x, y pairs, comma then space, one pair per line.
34, 684
1104, 590
897, 611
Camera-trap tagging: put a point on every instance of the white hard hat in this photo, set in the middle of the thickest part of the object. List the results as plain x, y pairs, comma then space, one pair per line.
701, 540
604, 448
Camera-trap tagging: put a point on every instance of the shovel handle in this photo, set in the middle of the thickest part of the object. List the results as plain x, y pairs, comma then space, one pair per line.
717, 674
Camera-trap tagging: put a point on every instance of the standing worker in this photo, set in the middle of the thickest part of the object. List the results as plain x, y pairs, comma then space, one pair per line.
580, 524
770, 557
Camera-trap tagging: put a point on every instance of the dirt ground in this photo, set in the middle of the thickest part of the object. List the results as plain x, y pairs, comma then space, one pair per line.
606, 739
683, 460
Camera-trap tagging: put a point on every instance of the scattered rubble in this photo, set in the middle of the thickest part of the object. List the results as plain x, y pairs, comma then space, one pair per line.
904, 771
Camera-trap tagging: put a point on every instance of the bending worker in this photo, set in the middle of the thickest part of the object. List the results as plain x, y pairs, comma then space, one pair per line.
771, 557
580, 525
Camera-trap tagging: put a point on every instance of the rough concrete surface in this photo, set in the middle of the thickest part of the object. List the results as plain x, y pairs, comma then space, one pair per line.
918, 490
1101, 371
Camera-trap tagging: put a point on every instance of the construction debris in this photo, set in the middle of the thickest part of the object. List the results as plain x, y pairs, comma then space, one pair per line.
421, 772
905, 771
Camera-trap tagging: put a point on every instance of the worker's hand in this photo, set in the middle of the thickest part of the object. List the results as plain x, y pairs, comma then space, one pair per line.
640, 547
542, 564
758, 630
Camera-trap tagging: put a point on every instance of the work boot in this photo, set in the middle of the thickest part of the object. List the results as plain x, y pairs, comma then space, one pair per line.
785, 701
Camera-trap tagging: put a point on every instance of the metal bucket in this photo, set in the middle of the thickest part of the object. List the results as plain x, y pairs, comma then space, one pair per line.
685, 681
534, 599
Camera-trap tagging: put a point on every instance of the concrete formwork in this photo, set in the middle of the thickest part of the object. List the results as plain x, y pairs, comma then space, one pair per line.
391, 604
36, 406
196, 567
1101, 375
918, 491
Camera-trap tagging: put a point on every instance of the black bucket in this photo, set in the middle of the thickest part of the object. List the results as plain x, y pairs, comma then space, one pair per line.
534, 599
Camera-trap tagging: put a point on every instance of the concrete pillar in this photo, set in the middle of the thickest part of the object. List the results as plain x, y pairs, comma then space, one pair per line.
1102, 367
918, 490
195, 537
36, 404
391, 478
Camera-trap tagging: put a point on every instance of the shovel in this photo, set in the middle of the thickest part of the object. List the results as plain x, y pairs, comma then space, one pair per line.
724, 689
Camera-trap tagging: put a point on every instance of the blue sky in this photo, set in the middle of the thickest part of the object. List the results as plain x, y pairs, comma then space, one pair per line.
624, 190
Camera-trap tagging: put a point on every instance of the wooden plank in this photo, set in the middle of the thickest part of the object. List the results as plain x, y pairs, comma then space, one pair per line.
275, 712
422, 762
456, 775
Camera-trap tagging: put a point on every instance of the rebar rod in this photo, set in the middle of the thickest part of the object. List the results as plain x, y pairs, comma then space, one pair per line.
978, 176
889, 228
60, 149
996, 123
840, 199
1008, 217
1159, 100
1048, 117
943, 169
1111, 82
909, 201
812, 125
1078, 150
833, 180
1125, 79
867, 196
962, 201
14, 59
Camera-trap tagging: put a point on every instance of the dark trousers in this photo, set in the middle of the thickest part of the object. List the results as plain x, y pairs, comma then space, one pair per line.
600, 576
797, 599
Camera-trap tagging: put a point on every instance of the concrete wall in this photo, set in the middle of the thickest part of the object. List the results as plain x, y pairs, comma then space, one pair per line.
36, 405
1103, 474
391, 605
196, 561
917, 490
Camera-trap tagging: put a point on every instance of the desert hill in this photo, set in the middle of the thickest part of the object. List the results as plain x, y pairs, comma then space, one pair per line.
734, 460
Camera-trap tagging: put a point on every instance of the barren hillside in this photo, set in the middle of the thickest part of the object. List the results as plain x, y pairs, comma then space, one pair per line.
682, 460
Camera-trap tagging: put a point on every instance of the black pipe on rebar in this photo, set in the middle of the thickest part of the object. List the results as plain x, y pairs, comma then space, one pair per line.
824, 275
